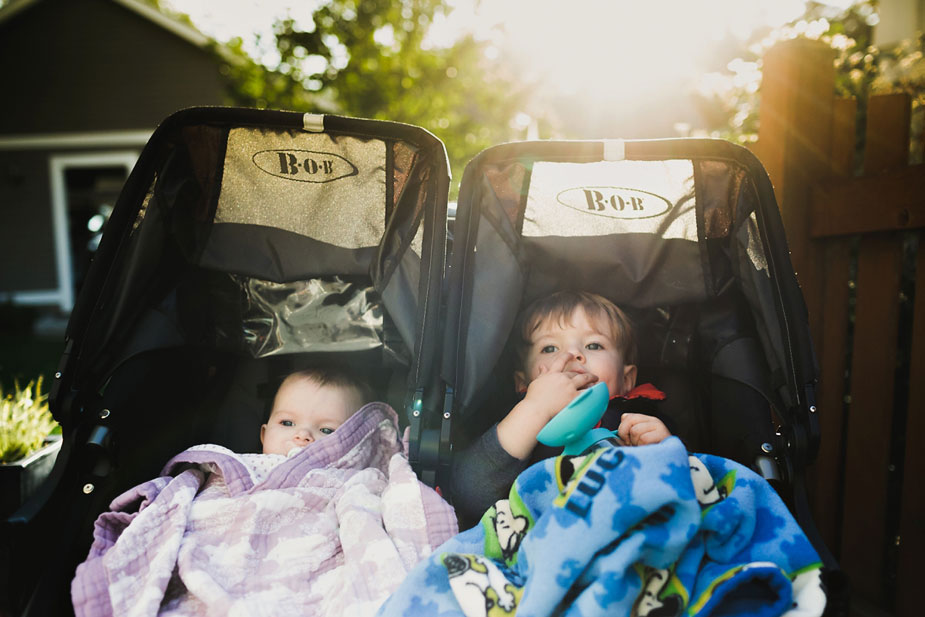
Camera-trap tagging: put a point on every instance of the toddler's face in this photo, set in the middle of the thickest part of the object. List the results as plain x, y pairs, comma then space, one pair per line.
305, 411
591, 347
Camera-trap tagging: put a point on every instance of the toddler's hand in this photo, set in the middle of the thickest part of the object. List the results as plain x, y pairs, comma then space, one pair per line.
638, 429
547, 394
555, 387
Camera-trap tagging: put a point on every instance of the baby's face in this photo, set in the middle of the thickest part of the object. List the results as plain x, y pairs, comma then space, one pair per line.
305, 411
591, 347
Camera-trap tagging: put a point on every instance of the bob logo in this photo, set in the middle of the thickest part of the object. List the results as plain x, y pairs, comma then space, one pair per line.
304, 165
614, 202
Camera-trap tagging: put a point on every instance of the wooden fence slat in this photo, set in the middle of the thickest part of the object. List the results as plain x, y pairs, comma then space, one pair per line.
888, 130
844, 119
912, 513
873, 365
831, 346
871, 413
892, 200
829, 467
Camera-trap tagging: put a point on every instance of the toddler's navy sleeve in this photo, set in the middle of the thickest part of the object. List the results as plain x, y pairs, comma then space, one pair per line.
482, 474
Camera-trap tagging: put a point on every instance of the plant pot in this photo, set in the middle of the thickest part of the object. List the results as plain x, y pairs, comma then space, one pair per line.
20, 479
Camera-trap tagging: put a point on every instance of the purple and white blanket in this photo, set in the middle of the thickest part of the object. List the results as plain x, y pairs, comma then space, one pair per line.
331, 530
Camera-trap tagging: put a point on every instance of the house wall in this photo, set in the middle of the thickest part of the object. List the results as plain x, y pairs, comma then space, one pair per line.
93, 65
27, 249
80, 78
899, 20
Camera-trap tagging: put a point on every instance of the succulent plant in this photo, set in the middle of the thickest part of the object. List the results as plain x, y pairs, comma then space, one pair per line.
25, 421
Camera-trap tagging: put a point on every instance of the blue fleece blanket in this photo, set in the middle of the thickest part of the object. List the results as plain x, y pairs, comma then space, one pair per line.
641, 531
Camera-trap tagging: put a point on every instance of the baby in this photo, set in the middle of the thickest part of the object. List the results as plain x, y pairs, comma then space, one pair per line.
309, 405
281, 532
564, 342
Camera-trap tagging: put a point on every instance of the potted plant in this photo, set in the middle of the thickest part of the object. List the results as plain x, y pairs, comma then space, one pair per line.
28, 443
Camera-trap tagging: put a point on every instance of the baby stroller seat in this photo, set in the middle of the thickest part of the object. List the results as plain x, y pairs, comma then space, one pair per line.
683, 234
246, 244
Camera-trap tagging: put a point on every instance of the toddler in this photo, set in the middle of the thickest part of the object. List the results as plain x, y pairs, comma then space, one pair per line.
564, 342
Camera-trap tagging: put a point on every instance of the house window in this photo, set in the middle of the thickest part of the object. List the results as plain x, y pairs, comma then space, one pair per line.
84, 191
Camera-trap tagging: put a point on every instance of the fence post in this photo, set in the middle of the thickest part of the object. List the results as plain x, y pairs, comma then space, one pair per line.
794, 145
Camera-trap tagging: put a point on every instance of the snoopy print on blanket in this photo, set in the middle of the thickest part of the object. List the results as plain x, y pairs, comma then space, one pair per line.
479, 585
648, 531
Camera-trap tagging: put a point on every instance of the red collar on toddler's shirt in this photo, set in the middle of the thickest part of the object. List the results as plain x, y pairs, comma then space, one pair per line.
645, 390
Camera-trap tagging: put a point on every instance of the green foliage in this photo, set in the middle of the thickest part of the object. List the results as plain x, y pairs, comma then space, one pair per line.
25, 421
372, 59
902, 69
862, 69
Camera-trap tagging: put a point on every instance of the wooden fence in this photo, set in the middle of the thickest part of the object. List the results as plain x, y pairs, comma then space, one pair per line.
854, 240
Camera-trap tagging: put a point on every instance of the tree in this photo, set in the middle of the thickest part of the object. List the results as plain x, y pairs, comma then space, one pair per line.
861, 69
373, 59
